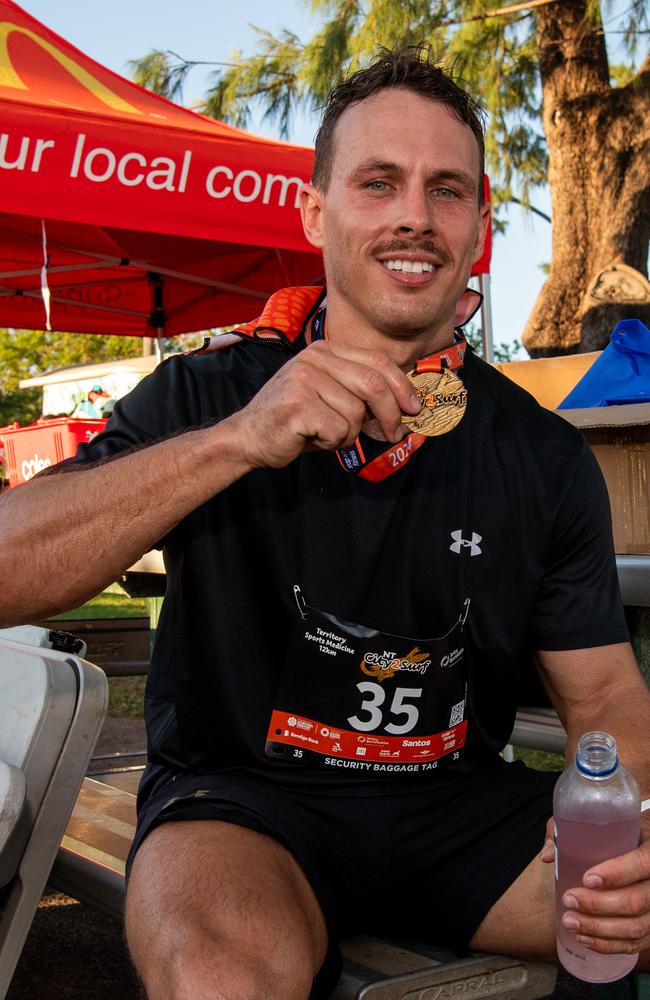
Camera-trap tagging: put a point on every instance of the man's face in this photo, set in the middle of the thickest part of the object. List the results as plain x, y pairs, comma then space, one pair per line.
400, 224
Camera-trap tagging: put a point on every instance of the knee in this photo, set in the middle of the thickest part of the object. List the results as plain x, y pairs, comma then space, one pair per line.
222, 971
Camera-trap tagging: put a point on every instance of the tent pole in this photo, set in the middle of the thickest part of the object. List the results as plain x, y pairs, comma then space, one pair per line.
157, 319
487, 336
159, 345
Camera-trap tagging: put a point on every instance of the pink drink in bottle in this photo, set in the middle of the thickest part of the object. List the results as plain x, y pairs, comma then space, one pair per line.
597, 815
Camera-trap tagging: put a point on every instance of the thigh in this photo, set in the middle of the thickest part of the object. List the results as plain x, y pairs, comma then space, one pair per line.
522, 922
466, 844
211, 904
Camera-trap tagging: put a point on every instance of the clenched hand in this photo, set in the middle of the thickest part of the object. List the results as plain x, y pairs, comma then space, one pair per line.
320, 399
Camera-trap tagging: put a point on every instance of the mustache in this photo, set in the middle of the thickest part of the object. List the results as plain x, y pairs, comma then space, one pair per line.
427, 247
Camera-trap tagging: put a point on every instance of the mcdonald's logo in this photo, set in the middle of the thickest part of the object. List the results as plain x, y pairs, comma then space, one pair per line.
10, 78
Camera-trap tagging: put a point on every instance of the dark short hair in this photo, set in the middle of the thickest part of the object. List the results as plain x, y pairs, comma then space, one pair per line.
411, 68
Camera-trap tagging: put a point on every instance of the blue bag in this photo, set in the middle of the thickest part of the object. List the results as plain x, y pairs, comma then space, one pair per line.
620, 375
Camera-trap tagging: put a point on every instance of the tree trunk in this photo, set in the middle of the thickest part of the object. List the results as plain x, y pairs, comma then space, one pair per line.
599, 175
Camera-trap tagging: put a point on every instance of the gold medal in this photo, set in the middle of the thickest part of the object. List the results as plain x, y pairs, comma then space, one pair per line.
444, 400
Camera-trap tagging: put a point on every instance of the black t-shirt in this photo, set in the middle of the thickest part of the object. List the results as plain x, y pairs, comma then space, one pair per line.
508, 510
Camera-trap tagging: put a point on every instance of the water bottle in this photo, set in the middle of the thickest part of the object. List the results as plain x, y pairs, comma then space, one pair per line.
597, 813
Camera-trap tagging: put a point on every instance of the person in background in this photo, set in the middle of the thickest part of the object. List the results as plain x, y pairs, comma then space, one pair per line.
97, 403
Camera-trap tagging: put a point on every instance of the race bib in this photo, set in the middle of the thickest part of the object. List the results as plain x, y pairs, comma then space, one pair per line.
354, 697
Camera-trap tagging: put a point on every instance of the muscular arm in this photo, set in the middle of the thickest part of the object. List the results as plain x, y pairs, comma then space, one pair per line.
65, 536
602, 688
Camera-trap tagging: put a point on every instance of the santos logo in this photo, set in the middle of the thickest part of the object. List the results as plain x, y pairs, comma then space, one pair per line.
33, 465
463, 543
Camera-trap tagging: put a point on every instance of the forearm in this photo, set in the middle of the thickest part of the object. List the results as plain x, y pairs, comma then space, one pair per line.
626, 716
619, 704
65, 536
601, 688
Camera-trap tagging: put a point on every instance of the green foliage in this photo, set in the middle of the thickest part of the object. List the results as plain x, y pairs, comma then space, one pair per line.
502, 352
21, 406
266, 77
621, 75
494, 57
160, 73
28, 353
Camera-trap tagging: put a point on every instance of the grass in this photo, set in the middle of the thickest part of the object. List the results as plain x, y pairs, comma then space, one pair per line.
539, 760
109, 606
125, 696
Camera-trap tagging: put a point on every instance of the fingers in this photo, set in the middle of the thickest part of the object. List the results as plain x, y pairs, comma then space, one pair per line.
283, 419
610, 911
609, 921
321, 399
372, 378
343, 395
634, 900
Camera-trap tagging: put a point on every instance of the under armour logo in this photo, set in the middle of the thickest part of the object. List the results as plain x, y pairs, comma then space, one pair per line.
462, 543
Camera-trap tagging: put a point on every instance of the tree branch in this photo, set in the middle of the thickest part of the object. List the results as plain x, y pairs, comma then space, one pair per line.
530, 5
531, 208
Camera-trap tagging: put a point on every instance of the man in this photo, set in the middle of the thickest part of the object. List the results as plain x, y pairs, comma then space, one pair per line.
319, 764
101, 401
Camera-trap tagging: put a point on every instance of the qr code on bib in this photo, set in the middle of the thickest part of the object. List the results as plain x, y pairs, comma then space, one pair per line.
457, 713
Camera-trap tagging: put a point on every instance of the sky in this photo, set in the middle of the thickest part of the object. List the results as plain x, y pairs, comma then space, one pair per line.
115, 32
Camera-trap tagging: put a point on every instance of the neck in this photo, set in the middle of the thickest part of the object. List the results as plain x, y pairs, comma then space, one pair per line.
404, 351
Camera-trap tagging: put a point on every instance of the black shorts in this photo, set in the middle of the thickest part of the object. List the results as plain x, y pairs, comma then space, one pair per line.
426, 865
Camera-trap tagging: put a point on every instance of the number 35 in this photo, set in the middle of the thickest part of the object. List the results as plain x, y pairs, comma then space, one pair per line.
372, 706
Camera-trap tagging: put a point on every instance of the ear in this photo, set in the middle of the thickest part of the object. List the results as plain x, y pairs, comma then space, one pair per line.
311, 213
481, 235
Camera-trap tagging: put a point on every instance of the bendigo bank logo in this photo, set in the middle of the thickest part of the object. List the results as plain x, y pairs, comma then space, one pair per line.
10, 78
383, 666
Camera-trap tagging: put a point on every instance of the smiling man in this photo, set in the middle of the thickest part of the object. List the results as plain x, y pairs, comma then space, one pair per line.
399, 231
368, 534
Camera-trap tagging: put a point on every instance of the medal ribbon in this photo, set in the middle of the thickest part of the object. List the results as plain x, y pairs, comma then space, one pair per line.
395, 456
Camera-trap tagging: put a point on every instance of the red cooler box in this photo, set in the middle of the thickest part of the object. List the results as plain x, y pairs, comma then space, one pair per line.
29, 449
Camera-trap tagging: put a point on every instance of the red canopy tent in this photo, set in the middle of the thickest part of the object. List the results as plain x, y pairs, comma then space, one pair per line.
151, 218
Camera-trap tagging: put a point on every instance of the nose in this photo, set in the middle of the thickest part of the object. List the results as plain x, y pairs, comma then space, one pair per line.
414, 216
